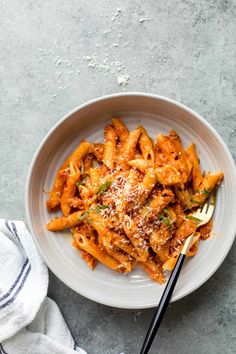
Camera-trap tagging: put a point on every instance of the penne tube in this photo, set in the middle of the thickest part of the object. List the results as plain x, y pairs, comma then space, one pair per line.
154, 270
121, 257
205, 230
186, 229
162, 199
145, 187
121, 131
79, 154
146, 145
136, 238
128, 150
179, 215
76, 203
149, 181
170, 263
168, 175
88, 161
172, 148
65, 221
69, 189
141, 164
194, 245
95, 178
109, 155
105, 238
101, 255
162, 252
160, 159
120, 241
183, 195
196, 172
207, 185
160, 236
57, 190
88, 258
98, 151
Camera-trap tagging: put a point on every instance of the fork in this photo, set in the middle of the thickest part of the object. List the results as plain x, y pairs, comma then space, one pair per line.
201, 216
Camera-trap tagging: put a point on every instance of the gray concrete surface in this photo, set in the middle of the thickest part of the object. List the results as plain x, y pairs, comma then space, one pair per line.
55, 55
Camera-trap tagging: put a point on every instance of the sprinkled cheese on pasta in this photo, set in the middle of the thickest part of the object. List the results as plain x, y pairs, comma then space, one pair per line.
129, 201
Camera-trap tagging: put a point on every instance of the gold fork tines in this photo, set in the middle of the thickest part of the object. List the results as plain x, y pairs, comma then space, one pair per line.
203, 214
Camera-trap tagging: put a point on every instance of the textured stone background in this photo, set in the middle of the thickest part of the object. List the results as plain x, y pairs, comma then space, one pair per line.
55, 55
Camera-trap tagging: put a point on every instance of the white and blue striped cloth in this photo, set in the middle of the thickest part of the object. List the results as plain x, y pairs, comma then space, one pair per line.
30, 322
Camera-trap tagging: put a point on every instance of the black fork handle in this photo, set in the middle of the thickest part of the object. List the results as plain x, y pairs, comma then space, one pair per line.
163, 304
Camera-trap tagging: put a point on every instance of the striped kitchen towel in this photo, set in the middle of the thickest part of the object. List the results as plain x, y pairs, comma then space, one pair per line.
30, 323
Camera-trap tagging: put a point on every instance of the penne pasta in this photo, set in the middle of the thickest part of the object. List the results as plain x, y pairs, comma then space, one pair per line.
109, 155
128, 149
88, 161
172, 148
91, 248
121, 131
95, 178
205, 230
168, 175
98, 151
185, 230
57, 190
196, 172
140, 164
194, 245
183, 195
207, 185
129, 201
162, 199
149, 181
170, 262
64, 222
146, 145
69, 189
159, 237
145, 187
154, 270
125, 245
136, 238
160, 159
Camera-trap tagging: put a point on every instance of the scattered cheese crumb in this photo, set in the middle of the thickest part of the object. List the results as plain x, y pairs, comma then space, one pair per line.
116, 14
143, 19
123, 80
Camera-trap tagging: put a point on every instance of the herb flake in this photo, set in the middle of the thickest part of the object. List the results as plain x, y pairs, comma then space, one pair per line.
103, 187
79, 183
195, 201
82, 217
97, 209
165, 220
82, 167
206, 192
191, 217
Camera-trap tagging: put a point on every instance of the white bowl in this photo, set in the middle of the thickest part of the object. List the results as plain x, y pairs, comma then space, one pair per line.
157, 114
